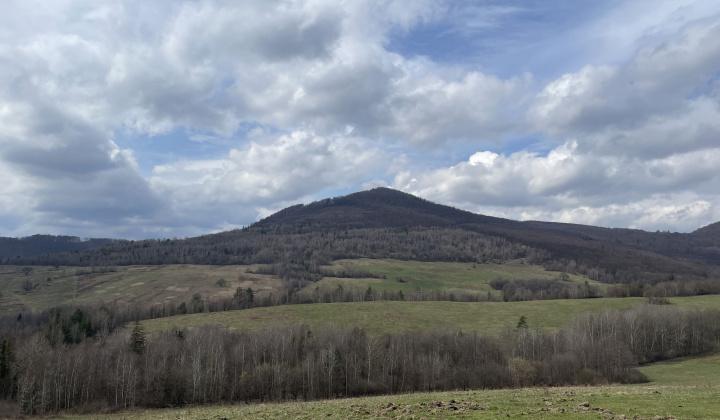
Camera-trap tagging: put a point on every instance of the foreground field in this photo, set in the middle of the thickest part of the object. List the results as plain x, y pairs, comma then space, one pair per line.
675, 391
137, 284
382, 316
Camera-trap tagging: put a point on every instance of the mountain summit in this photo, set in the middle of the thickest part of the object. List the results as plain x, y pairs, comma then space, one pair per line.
389, 208
376, 208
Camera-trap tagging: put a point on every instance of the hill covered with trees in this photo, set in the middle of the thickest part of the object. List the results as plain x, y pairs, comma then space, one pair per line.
385, 223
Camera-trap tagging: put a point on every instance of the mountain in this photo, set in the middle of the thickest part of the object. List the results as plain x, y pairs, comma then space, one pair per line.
377, 208
613, 247
384, 207
385, 223
45, 244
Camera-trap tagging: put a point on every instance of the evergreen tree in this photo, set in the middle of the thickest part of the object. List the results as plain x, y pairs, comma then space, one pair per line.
522, 323
137, 339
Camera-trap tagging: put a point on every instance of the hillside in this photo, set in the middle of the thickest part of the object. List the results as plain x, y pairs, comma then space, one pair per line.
47, 287
172, 284
383, 317
384, 207
376, 208
385, 223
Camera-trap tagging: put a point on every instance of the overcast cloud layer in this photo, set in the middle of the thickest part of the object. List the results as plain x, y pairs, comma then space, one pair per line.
176, 118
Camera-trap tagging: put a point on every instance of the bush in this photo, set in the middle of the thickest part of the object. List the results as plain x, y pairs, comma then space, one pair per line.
658, 300
634, 376
522, 372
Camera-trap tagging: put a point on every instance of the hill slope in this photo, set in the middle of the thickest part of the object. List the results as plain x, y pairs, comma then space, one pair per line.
381, 317
384, 207
385, 223
611, 248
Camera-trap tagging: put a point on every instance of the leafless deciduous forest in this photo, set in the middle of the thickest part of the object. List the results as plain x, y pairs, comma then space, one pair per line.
43, 373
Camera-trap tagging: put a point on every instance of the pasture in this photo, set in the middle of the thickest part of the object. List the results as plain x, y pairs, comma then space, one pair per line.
379, 317
129, 284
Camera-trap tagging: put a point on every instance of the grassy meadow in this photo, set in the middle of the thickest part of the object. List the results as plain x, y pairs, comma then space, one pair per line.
177, 283
134, 284
685, 389
431, 276
380, 317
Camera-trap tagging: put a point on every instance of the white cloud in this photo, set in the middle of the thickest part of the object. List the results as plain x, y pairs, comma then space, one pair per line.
659, 83
570, 186
633, 140
248, 181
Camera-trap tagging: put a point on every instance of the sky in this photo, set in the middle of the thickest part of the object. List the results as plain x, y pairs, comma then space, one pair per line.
167, 118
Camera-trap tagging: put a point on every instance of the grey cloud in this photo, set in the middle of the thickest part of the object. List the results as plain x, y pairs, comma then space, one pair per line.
336, 96
657, 87
64, 173
63, 146
110, 197
221, 31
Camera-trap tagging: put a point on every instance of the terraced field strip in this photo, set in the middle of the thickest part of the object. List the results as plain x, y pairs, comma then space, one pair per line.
139, 284
430, 276
382, 316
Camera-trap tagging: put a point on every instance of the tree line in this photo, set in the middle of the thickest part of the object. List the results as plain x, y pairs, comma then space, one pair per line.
297, 258
103, 318
212, 365
298, 255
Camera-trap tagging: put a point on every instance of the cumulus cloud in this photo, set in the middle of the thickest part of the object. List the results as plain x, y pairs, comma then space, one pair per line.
265, 175
631, 141
639, 143
569, 185
61, 174
661, 84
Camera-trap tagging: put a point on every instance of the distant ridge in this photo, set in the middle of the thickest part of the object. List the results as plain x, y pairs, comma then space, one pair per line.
374, 224
46, 244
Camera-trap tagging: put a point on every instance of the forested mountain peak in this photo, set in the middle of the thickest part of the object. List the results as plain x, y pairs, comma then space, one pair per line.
379, 207
389, 208
386, 223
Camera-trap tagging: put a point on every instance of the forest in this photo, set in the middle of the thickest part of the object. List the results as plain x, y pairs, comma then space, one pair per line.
76, 364
98, 356
384, 223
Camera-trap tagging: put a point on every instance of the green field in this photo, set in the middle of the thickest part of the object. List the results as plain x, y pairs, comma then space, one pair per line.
430, 276
177, 283
675, 390
137, 284
384, 316
698, 372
